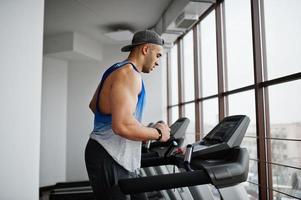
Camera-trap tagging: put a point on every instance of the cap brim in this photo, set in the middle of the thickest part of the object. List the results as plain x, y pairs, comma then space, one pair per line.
131, 46
127, 48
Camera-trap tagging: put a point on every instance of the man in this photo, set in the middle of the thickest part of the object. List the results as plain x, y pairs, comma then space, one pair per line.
113, 151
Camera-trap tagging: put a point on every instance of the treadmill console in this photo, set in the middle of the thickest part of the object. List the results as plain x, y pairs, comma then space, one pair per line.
178, 128
226, 135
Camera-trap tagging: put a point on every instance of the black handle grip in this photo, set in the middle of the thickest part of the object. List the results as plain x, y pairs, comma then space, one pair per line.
163, 182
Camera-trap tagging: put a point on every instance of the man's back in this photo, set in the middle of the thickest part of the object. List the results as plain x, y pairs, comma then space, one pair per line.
124, 75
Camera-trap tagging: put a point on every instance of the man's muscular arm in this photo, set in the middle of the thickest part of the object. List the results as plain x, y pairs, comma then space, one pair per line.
93, 102
124, 93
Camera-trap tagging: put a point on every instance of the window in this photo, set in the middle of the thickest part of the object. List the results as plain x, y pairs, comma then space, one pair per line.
163, 68
174, 114
173, 85
275, 104
208, 56
190, 133
285, 128
251, 184
285, 110
239, 47
188, 67
283, 42
210, 115
174, 76
287, 181
243, 103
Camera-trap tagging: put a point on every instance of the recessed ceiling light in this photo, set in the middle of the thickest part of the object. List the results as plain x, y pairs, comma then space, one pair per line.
120, 35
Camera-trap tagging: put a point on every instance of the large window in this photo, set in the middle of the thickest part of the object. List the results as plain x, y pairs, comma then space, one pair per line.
248, 64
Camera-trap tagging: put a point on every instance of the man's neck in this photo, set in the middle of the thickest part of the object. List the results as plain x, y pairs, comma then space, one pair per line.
136, 61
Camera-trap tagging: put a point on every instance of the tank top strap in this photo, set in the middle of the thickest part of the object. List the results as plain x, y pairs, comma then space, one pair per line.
134, 66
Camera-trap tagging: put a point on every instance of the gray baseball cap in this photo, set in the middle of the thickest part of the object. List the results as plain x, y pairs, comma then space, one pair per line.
143, 37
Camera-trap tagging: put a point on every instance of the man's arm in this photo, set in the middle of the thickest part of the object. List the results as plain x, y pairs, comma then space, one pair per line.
93, 102
124, 93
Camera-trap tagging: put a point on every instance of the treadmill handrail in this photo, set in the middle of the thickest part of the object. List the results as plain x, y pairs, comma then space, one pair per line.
157, 161
163, 182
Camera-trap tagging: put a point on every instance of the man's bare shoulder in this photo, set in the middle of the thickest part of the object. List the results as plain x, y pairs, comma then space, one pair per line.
127, 73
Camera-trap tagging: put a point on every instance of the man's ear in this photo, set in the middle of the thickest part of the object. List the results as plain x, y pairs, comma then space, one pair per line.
145, 49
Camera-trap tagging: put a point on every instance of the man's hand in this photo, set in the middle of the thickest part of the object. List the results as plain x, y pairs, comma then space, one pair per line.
164, 129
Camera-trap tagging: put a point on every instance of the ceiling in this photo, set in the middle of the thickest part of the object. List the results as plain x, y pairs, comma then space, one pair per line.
94, 18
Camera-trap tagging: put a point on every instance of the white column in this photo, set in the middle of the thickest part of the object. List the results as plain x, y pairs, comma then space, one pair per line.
21, 37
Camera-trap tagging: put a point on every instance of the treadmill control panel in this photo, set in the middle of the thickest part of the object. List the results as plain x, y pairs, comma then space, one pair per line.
178, 128
227, 134
223, 131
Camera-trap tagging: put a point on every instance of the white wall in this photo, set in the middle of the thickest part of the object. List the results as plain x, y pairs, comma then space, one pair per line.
54, 122
20, 103
83, 78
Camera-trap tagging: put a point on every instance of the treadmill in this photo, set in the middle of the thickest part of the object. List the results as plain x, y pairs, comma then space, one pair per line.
213, 154
217, 159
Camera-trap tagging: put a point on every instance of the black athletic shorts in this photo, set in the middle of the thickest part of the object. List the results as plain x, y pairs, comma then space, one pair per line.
104, 173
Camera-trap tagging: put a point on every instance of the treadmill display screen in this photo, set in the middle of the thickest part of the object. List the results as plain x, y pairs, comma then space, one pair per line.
223, 131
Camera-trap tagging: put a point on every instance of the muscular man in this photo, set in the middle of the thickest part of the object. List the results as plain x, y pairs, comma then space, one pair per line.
114, 148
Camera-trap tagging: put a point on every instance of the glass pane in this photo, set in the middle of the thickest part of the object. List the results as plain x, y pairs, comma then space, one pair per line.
285, 110
239, 43
286, 180
252, 190
208, 56
277, 195
210, 115
286, 130
243, 103
174, 114
190, 133
188, 67
283, 41
251, 185
174, 76
251, 145
253, 172
286, 152
163, 65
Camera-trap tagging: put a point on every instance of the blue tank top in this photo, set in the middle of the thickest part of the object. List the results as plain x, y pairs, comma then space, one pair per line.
104, 121
125, 152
